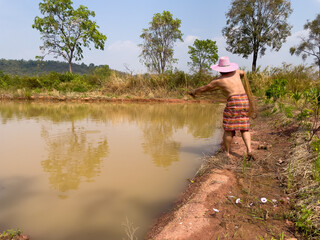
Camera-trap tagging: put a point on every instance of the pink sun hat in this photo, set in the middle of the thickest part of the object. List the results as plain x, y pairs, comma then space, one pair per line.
225, 65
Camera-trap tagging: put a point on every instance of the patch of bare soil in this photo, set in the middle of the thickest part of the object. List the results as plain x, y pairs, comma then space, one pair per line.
235, 198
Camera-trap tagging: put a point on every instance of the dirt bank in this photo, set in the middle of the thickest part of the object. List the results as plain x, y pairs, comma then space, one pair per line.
235, 199
103, 99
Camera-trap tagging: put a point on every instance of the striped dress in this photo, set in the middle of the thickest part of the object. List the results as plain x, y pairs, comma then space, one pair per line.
235, 114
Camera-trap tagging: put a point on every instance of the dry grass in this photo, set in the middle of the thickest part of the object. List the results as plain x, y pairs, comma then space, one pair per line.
301, 175
299, 78
303, 188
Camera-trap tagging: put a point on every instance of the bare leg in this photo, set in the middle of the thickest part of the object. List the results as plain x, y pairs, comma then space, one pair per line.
247, 141
227, 139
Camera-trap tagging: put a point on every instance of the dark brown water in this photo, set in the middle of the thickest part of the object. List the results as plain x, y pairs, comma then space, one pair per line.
78, 171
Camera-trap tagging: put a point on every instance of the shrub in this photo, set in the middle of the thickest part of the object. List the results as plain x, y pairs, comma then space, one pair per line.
76, 85
30, 82
277, 89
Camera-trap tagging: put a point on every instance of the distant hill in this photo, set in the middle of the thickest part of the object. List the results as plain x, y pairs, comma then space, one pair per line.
33, 67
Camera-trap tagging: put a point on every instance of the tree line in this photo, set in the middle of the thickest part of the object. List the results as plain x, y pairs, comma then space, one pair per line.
252, 26
33, 67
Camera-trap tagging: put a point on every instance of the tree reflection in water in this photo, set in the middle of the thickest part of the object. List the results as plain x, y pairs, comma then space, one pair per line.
72, 158
162, 121
163, 150
71, 143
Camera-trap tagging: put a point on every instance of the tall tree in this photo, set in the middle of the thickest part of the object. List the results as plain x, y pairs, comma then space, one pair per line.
203, 54
252, 25
65, 30
310, 45
159, 38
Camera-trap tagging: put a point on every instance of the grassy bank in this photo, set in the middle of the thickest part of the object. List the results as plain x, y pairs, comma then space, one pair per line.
292, 96
300, 170
104, 82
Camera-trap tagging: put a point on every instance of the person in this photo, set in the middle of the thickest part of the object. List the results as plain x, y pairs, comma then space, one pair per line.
239, 105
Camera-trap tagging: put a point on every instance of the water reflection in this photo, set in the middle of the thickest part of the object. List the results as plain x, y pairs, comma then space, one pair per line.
107, 161
71, 157
159, 144
201, 120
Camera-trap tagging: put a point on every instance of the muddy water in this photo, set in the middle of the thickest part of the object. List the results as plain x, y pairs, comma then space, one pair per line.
80, 171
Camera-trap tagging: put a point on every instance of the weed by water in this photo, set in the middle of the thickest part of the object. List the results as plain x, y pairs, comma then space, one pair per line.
304, 223
290, 176
315, 145
245, 164
281, 237
303, 185
10, 234
130, 230
316, 169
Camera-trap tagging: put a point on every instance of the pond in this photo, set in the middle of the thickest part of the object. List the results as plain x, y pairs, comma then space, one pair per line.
81, 171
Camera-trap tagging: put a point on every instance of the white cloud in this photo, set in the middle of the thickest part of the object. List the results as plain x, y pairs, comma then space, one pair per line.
187, 41
123, 46
124, 54
190, 39
119, 55
300, 33
295, 37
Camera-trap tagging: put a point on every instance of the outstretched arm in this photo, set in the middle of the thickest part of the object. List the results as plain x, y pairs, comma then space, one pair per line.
213, 84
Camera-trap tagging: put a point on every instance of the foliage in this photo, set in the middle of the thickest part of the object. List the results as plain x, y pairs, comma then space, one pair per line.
293, 92
58, 81
100, 75
309, 109
10, 234
309, 46
315, 144
203, 54
304, 223
159, 38
252, 25
173, 83
299, 78
277, 89
103, 71
32, 67
282, 236
65, 30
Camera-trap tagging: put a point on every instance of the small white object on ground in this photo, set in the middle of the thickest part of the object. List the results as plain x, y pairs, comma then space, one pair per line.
264, 200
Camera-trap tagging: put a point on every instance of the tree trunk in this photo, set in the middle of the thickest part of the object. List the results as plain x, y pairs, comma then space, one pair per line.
254, 61
319, 61
200, 70
70, 69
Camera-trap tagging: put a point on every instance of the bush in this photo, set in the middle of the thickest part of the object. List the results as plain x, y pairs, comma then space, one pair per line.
277, 89
177, 79
78, 84
30, 82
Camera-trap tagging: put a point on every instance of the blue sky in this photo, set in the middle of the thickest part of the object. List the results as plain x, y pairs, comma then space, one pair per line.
122, 22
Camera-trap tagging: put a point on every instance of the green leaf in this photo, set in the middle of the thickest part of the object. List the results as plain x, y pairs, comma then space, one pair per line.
65, 30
